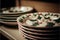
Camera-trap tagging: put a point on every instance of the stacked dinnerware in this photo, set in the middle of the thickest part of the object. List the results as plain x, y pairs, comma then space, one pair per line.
40, 26
8, 15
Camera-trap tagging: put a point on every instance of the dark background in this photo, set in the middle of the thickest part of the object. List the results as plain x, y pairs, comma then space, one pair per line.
7, 3
10, 3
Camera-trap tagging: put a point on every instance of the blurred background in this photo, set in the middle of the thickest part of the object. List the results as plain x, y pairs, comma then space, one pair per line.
39, 5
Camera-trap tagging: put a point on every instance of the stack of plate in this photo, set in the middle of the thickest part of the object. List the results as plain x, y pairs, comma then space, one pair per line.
36, 33
9, 18
39, 33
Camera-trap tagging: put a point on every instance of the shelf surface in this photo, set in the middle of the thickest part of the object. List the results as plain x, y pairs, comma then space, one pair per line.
12, 34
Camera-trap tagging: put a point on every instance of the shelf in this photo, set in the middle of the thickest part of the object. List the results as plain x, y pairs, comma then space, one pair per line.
12, 34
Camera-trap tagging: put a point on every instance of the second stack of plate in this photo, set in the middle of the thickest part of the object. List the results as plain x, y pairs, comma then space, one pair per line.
9, 18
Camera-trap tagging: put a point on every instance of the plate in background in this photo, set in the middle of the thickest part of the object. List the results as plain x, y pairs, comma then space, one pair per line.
10, 17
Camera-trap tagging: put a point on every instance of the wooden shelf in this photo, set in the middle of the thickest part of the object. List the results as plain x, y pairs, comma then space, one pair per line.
12, 34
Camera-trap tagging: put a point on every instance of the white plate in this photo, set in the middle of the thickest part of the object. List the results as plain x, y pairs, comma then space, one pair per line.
9, 18
23, 9
9, 23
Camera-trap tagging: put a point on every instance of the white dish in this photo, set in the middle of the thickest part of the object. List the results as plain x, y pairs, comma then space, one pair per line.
40, 21
9, 23
22, 9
